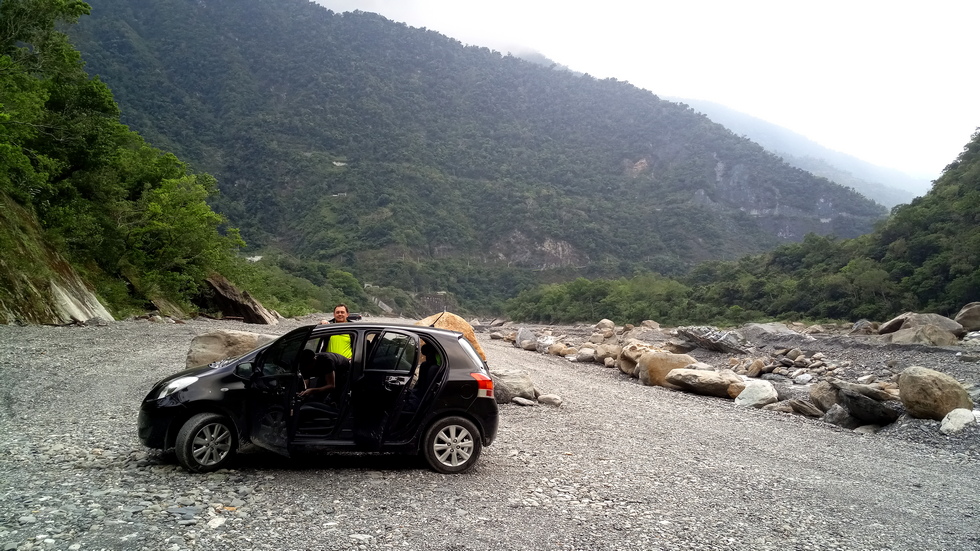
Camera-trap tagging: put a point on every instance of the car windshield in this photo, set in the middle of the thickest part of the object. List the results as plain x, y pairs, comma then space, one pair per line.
226, 361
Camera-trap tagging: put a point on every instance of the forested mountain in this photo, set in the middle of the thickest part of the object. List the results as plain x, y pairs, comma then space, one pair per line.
415, 161
924, 258
886, 186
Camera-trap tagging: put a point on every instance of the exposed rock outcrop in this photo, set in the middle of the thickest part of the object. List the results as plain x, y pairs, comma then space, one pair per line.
237, 303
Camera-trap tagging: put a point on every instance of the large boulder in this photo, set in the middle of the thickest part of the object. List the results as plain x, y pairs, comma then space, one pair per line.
237, 303
910, 320
711, 338
922, 320
803, 407
631, 354
757, 394
512, 383
929, 335
894, 324
605, 324
867, 390
867, 410
762, 331
544, 342
969, 317
707, 383
653, 367
222, 344
557, 349
838, 415
957, 421
604, 351
863, 327
824, 395
929, 394
585, 354
525, 335
449, 320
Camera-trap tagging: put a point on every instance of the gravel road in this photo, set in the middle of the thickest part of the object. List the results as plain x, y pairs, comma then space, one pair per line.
618, 466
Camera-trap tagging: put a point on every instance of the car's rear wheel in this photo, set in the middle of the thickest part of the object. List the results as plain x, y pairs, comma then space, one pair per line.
452, 445
206, 442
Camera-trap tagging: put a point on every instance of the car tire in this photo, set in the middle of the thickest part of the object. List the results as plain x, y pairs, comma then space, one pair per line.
206, 442
452, 445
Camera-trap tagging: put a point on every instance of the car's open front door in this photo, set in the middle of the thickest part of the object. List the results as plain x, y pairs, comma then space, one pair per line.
379, 393
273, 387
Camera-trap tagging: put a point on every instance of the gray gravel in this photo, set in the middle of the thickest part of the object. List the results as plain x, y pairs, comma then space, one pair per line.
618, 466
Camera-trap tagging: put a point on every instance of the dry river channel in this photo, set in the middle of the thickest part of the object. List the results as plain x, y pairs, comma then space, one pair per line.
617, 466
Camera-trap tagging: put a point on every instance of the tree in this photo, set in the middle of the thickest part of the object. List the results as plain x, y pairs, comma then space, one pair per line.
115, 206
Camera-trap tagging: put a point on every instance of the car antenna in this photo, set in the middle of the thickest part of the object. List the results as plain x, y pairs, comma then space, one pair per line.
437, 319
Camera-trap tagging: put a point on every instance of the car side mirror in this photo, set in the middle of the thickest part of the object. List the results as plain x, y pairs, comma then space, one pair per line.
245, 370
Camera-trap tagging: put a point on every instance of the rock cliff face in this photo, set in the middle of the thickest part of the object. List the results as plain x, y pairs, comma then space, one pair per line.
537, 252
53, 293
37, 285
788, 218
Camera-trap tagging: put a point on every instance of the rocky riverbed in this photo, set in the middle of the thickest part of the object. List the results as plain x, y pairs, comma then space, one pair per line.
617, 466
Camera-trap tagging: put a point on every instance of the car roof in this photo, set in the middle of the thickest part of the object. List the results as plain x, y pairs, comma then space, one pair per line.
401, 326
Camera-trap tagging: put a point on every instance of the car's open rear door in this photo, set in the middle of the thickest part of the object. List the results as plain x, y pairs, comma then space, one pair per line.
379, 393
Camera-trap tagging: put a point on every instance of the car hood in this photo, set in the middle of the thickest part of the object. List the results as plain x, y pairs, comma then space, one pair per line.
203, 371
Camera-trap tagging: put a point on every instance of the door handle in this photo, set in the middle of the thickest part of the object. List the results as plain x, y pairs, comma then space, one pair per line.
396, 380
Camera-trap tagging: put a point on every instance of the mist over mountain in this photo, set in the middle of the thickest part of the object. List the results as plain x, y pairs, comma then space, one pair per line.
884, 185
354, 139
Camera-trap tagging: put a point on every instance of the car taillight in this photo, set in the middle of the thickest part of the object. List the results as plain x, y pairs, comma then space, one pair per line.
485, 385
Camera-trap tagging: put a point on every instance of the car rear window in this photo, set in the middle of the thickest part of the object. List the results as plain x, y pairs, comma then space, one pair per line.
471, 352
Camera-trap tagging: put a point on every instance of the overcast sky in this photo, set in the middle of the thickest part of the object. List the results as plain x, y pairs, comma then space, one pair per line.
891, 82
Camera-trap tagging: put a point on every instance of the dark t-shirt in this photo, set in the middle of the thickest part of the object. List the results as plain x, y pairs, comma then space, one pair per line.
323, 365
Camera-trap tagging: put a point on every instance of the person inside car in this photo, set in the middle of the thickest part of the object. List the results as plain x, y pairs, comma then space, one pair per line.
321, 374
428, 370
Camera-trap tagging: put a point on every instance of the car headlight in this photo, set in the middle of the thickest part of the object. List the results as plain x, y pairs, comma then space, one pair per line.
176, 385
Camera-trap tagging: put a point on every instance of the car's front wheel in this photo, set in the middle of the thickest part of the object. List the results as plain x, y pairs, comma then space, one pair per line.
452, 445
206, 443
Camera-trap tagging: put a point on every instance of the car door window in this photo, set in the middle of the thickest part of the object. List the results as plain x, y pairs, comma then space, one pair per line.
280, 358
393, 352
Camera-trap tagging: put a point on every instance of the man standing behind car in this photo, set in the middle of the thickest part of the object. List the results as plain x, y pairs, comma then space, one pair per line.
340, 344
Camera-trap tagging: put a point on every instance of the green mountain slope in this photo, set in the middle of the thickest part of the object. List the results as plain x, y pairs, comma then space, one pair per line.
924, 258
357, 140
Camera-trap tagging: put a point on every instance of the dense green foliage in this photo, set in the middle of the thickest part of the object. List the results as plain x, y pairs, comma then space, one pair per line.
925, 257
130, 217
402, 156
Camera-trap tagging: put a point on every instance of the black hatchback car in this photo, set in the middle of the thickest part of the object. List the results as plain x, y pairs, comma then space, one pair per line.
410, 389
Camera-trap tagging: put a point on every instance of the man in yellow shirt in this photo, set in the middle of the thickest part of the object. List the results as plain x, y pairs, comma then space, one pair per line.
340, 344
